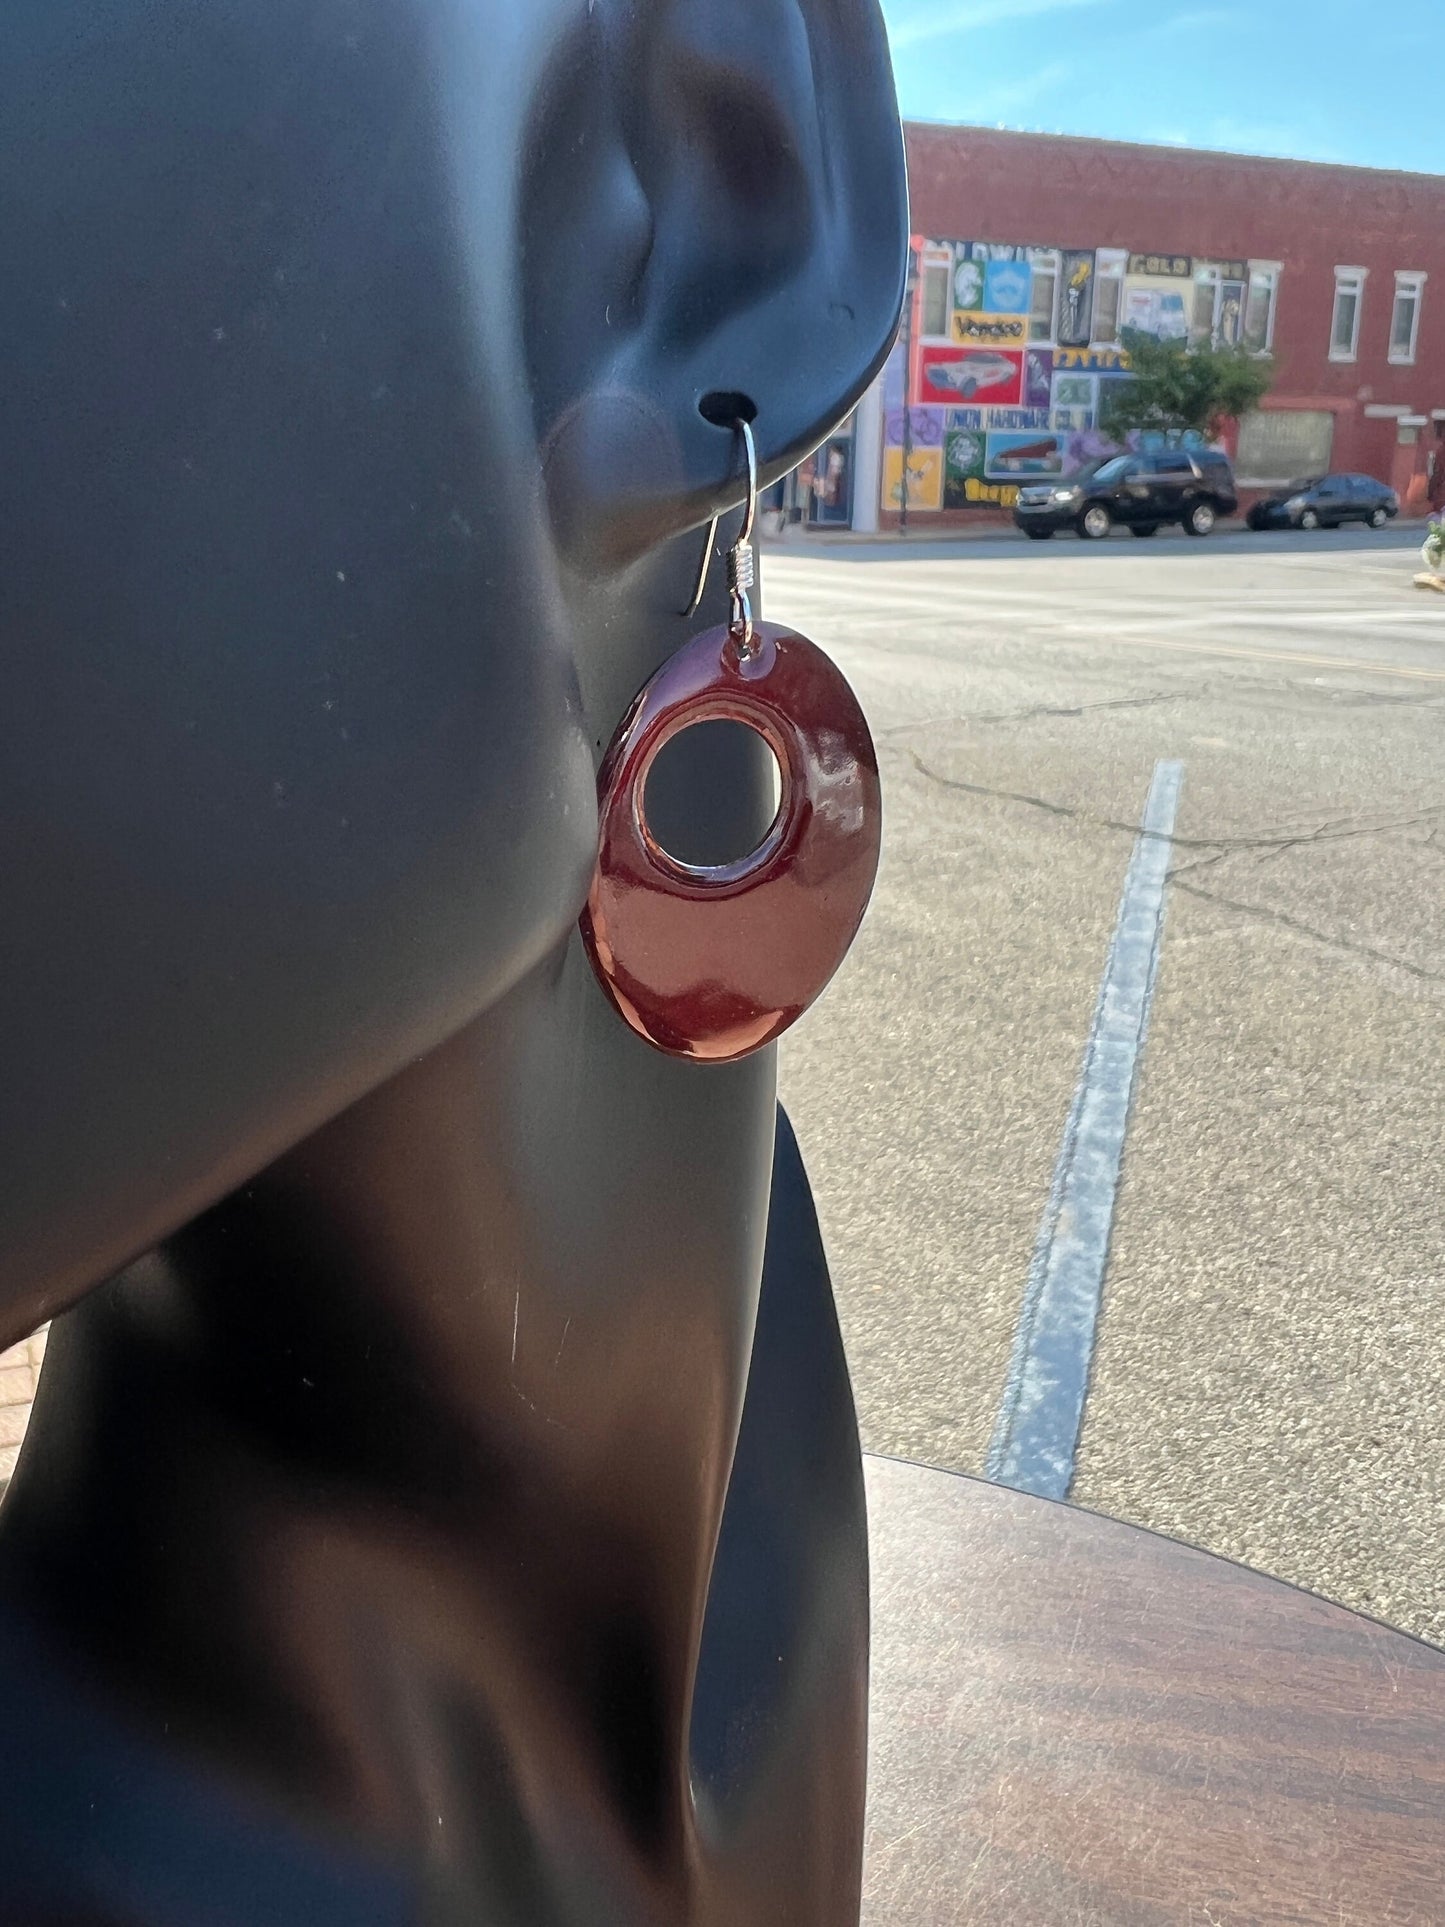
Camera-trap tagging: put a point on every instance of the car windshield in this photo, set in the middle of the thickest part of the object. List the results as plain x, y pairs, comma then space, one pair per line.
1111, 470
1305, 481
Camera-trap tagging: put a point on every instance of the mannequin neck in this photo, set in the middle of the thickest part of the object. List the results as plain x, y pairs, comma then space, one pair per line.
349, 1481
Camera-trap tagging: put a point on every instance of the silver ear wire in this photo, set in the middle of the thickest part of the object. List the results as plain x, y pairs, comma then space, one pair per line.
740, 569
702, 568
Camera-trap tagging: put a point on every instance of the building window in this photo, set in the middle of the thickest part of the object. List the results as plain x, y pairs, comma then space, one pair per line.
1259, 306
1280, 444
1206, 299
1345, 324
937, 298
1229, 314
1045, 297
1109, 266
1405, 318
1217, 314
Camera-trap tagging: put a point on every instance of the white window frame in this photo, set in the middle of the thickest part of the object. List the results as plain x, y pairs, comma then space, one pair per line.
933, 260
1409, 284
1045, 261
1348, 281
1206, 275
1267, 272
1210, 275
1109, 265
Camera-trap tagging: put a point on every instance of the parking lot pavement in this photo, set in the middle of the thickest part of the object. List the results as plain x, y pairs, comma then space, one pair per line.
1269, 1378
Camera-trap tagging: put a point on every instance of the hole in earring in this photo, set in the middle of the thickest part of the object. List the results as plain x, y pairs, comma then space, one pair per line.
711, 794
724, 407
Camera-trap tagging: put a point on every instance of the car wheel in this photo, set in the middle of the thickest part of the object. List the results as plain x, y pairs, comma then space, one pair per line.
970, 389
1378, 518
1095, 522
1200, 519
1142, 529
1309, 520
1039, 535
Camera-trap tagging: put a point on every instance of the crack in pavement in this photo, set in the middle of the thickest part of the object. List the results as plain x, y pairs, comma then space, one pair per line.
1371, 698
1267, 849
1049, 709
1306, 930
1271, 842
1331, 831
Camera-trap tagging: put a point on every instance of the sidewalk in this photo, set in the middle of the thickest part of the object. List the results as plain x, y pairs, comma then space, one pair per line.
804, 539
799, 541
19, 1371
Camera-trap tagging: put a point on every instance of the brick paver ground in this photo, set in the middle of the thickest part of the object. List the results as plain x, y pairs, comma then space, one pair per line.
19, 1371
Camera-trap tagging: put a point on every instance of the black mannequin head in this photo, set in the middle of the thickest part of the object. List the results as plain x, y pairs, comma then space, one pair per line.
358, 355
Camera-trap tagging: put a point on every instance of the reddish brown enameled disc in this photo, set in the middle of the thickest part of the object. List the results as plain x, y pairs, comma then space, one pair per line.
714, 962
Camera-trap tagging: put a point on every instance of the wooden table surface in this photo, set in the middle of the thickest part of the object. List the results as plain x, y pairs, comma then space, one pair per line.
1078, 1724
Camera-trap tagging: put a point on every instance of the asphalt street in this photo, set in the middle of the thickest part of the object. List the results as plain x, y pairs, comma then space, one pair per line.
1269, 1374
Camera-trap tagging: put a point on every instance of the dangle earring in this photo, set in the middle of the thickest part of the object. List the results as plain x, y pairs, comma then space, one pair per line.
712, 961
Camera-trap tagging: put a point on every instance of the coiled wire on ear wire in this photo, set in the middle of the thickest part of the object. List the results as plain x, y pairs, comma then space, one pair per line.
741, 573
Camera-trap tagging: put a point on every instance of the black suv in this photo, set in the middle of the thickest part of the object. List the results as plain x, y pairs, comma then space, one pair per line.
1194, 486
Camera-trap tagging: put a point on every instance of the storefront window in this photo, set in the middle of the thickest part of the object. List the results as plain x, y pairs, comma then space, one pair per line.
1276, 444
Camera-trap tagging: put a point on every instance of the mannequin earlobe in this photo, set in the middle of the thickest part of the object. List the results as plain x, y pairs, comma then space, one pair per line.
743, 230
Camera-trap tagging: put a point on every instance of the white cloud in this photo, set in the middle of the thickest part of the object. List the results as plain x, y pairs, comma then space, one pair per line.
1200, 20
1270, 140
1273, 139
945, 17
997, 103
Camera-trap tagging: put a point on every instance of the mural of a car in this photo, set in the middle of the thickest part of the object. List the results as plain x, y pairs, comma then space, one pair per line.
971, 372
1043, 454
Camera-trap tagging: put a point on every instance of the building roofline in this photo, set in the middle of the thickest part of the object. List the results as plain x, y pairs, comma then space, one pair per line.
1169, 147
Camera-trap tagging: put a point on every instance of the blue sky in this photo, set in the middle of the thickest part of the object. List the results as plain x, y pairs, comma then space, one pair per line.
1324, 80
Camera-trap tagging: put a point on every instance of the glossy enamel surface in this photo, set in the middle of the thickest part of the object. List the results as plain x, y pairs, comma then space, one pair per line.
714, 962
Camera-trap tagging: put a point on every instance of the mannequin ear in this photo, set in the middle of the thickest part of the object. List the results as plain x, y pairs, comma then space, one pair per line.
714, 223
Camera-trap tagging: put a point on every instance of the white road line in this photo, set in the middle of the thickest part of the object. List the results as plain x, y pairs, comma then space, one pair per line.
1039, 1419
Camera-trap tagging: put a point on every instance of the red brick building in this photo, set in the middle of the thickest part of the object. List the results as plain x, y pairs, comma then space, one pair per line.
1033, 252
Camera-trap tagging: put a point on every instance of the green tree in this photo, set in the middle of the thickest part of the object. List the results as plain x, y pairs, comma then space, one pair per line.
1178, 387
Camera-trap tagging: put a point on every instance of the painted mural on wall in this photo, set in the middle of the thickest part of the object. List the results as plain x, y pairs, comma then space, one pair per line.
972, 325
1021, 455
994, 375
895, 377
1017, 385
1156, 307
965, 448
1091, 361
1076, 298
921, 426
1038, 377
925, 478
